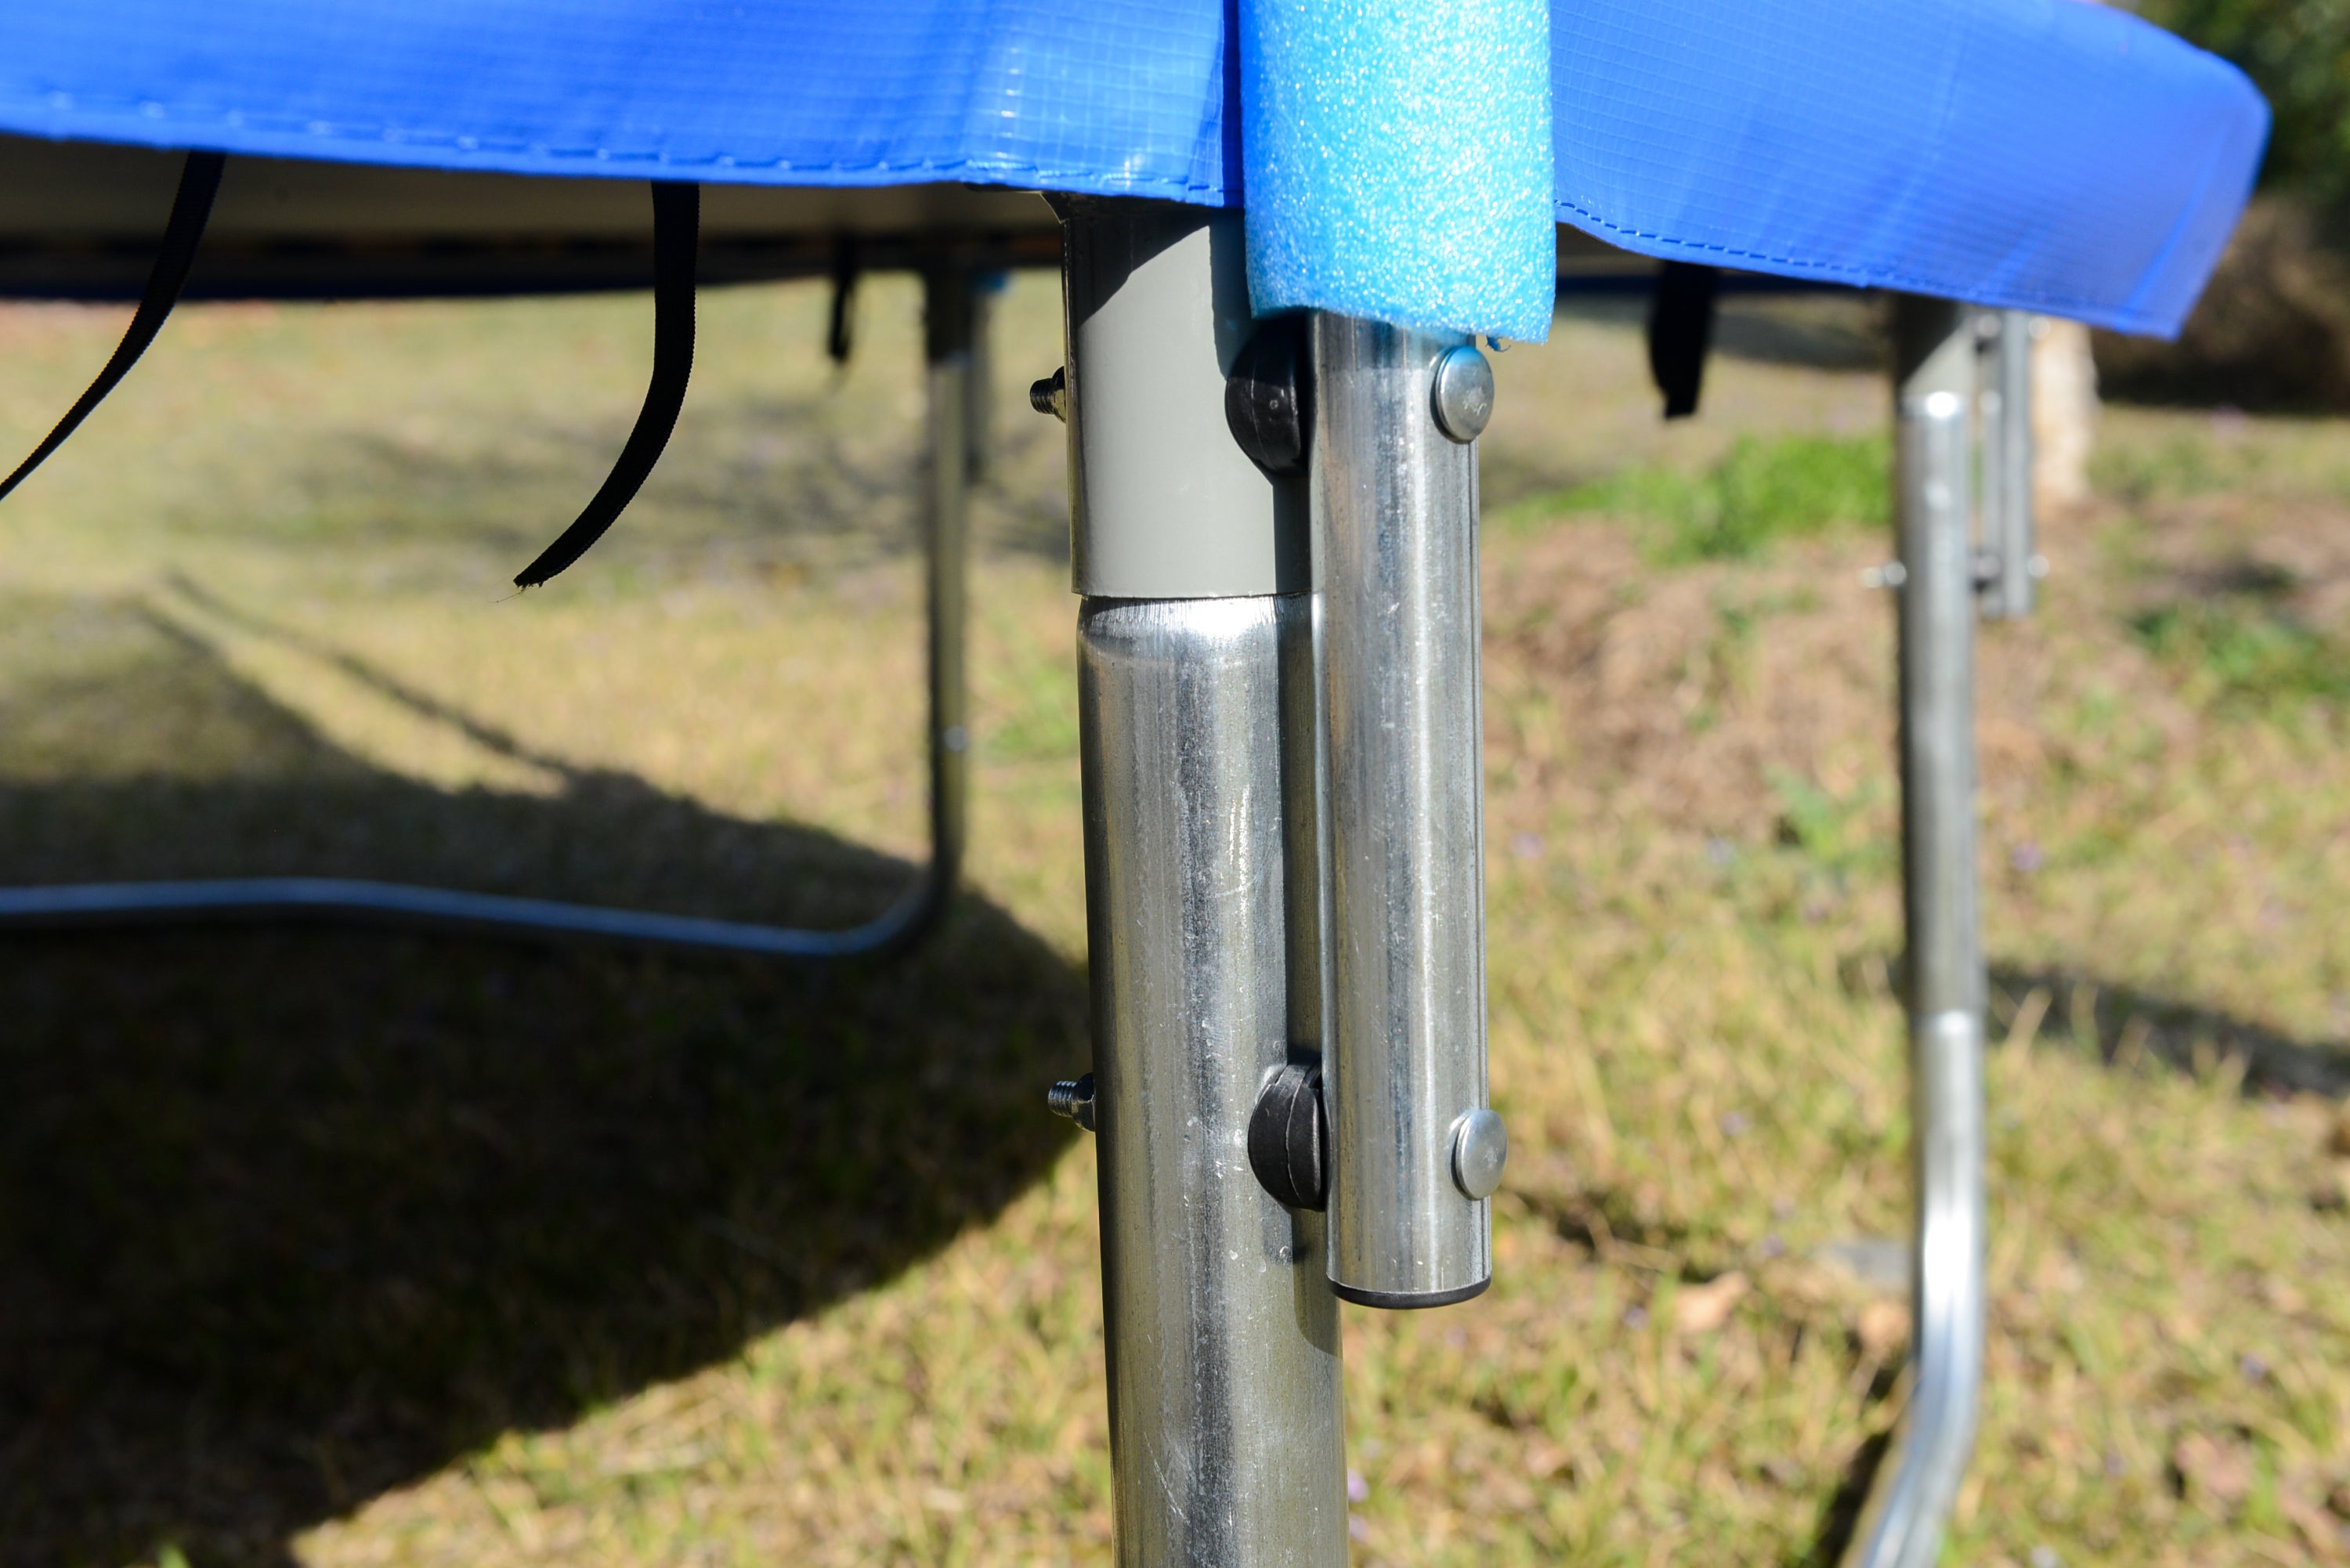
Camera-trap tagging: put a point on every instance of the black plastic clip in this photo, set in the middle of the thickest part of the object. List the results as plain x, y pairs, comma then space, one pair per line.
1267, 393
1289, 1139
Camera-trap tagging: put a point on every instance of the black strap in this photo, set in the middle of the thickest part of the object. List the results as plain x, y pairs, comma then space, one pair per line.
200, 179
677, 242
1681, 329
838, 338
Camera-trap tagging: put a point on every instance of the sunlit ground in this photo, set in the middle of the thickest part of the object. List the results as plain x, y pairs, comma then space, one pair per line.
343, 1248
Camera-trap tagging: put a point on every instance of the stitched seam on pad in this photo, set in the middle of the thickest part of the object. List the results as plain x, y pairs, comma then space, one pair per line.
1846, 274
388, 136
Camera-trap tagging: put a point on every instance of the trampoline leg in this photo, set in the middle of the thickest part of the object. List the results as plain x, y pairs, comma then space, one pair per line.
1227, 1448
1226, 1438
954, 335
1901, 1526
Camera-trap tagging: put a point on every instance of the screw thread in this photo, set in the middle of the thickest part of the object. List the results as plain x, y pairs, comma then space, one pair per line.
1074, 1098
1051, 395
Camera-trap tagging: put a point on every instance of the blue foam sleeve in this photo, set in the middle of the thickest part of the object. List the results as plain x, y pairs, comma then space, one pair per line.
2046, 153
1397, 161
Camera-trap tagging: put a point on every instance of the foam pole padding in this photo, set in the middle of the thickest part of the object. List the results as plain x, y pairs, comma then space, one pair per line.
1397, 161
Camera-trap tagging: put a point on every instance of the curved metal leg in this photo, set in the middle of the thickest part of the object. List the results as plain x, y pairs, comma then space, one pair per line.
1902, 1525
317, 899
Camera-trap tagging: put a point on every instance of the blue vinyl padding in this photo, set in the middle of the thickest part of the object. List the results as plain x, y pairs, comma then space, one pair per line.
2052, 154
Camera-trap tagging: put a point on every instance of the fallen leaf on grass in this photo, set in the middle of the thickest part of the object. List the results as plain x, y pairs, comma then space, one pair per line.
1884, 1329
2215, 1470
1701, 1309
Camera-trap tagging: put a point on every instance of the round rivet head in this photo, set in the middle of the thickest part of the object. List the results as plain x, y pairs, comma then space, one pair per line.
1463, 395
1481, 1148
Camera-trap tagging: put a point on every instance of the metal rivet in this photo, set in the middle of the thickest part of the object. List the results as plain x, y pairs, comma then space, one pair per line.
1481, 1148
1073, 1098
1463, 395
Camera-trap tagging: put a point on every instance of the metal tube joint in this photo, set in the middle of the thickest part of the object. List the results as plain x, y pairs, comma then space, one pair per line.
1416, 1151
2008, 567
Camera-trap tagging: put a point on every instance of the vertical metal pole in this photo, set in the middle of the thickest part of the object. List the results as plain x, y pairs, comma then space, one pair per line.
979, 406
2006, 407
950, 325
1394, 491
1226, 1438
1934, 370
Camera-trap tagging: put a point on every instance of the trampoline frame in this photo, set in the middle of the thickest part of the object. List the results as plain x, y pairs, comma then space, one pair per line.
951, 354
1944, 580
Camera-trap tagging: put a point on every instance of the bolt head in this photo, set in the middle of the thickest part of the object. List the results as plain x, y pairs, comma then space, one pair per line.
1481, 1148
1463, 394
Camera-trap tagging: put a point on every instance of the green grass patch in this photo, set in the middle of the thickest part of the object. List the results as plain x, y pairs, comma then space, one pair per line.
1842, 834
1761, 492
2242, 650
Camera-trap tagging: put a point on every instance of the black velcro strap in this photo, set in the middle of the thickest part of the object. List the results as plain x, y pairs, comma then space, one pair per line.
200, 179
1681, 329
677, 242
840, 332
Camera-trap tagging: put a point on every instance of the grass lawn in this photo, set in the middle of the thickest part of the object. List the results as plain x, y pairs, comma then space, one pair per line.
346, 1249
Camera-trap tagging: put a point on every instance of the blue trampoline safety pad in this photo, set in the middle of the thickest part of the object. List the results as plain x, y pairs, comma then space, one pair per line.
2052, 154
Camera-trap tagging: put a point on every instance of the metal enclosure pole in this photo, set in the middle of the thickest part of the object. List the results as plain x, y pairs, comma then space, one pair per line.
979, 401
1902, 1524
2013, 567
953, 359
1226, 1442
1394, 493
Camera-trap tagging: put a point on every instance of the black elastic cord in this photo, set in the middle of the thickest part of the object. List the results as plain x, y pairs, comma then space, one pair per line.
200, 179
677, 242
1680, 330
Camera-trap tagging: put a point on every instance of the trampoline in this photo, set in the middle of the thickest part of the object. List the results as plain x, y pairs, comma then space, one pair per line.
1284, 235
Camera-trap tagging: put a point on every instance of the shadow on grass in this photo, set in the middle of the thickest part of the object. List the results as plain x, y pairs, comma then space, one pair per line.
2124, 1026
289, 1218
767, 475
720, 479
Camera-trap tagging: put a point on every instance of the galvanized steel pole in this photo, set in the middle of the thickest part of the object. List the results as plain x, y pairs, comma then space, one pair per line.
2013, 566
1417, 1151
1901, 1526
2020, 563
1226, 1438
